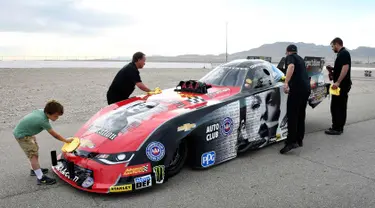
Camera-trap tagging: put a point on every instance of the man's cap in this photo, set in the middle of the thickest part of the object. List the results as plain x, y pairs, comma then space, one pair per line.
291, 48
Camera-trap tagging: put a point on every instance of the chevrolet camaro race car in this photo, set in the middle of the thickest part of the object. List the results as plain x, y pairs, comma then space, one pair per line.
142, 141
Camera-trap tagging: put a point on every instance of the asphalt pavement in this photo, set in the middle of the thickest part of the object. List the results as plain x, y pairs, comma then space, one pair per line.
328, 171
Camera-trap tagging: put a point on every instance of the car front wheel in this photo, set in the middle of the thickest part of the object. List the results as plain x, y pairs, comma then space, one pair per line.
179, 158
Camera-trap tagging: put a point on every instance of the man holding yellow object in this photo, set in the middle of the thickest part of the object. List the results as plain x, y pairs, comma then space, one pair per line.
341, 80
155, 91
126, 79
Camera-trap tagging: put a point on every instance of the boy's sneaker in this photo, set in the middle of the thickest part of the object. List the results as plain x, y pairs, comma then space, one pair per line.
46, 180
44, 171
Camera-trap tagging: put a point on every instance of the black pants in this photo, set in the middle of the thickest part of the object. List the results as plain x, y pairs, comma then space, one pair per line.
339, 108
296, 112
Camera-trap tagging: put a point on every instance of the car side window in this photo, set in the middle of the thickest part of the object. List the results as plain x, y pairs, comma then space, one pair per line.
258, 77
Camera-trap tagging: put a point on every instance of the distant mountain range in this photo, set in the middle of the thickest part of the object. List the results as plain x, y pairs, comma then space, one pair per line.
276, 51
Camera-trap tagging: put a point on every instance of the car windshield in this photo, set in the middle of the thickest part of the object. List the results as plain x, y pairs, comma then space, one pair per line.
231, 74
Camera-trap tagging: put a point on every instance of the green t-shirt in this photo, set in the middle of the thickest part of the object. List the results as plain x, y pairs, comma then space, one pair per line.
32, 124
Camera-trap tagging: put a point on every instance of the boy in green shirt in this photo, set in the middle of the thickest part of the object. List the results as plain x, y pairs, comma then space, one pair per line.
31, 125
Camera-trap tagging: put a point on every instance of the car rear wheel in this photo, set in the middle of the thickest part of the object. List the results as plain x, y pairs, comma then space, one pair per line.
179, 158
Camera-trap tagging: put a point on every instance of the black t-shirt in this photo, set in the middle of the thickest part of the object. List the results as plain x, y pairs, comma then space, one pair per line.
299, 82
343, 58
124, 82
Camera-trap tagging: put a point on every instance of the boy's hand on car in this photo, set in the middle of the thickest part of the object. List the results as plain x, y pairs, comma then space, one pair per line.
68, 140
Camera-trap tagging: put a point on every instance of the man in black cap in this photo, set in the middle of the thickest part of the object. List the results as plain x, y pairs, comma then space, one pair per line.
297, 86
126, 79
340, 74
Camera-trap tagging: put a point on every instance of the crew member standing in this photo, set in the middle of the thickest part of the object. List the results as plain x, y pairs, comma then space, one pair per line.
341, 78
126, 79
297, 85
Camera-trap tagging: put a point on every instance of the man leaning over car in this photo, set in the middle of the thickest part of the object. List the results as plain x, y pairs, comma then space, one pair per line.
126, 79
297, 85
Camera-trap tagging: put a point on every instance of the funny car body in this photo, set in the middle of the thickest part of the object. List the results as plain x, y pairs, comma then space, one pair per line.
140, 142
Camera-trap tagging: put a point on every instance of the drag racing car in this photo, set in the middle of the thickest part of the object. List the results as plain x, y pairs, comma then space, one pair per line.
142, 141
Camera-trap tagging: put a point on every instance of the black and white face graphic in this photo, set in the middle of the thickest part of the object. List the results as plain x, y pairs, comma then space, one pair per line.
120, 118
269, 119
242, 131
263, 112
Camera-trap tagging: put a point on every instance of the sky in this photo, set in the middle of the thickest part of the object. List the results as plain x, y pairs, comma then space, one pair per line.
108, 28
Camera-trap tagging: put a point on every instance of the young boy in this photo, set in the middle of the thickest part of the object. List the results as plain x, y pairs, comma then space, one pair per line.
31, 125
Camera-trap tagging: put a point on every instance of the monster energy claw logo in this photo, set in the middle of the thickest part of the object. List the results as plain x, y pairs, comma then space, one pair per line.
159, 173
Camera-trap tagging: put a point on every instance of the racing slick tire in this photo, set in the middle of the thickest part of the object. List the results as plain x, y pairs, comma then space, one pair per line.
179, 159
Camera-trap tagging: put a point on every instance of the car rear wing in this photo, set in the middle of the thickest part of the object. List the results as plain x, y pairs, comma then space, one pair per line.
266, 58
314, 65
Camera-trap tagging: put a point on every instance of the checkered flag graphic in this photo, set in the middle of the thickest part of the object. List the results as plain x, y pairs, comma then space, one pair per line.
195, 99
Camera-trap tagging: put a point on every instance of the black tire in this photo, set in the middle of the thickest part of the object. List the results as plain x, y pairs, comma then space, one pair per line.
178, 160
243, 148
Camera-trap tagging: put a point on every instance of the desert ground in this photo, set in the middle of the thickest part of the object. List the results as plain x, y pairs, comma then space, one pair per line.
81, 91
328, 171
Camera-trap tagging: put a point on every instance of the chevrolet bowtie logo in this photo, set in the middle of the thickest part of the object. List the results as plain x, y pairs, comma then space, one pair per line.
87, 143
186, 127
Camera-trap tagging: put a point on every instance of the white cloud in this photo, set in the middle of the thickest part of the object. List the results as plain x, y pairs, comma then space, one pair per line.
57, 16
168, 27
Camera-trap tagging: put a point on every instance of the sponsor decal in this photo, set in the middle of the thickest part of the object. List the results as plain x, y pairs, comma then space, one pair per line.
195, 99
178, 104
63, 170
159, 172
186, 127
276, 138
227, 126
137, 169
212, 132
107, 134
208, 159
272, 139
123, 188
86, 143
185, 95
155, 151
265, 58
216, 93
233, 68
313, 62
88, 182
143, 182
317, 95
130, 126
256, 65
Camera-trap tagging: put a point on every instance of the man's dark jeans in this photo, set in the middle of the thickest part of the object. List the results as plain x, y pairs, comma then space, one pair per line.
296, 112
339, 109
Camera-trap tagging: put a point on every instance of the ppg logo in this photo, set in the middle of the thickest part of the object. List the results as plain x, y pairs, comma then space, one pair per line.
208, 159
